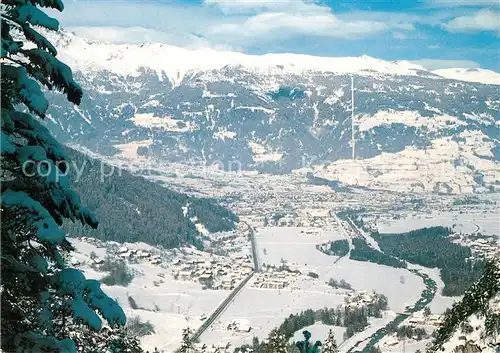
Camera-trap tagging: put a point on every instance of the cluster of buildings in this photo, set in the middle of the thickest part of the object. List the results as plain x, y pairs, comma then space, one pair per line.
419, 319
314, 217
235, 241
416, 320
214, 272
482, 247
272, 278
280, 201
124, 252
203, 348
359, 299
135, 255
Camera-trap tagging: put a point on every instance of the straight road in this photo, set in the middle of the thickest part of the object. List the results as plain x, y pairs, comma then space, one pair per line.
223, 306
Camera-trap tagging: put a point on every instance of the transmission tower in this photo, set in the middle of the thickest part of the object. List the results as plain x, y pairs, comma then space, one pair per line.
353, 136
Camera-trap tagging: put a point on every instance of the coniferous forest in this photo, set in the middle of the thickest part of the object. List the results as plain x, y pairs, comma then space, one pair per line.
339, 247
363, 252
431, 247
135, 209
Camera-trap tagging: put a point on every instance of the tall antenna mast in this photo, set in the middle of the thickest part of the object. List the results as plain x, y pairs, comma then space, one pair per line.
353, 140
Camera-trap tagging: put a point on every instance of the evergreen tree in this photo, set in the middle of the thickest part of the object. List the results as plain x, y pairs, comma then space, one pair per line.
373, 350
276, 342
330, 345
45, 306
186, 345
305, 346
119, 340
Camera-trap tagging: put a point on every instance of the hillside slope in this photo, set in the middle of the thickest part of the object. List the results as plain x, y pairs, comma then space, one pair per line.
132, 209
473, 324
280, 112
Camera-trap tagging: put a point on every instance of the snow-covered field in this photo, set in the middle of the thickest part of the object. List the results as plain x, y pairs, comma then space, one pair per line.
296, 248
470, 221
264, 309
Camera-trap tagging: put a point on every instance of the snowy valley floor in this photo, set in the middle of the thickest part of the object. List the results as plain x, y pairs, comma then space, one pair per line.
171, 305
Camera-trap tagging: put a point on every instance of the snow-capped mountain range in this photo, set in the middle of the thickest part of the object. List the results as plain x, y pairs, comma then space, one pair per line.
280, 112
472, 75
176, 63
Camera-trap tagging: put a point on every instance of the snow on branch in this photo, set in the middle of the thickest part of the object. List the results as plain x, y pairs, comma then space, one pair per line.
45, 227
39, 40
87, 297
60, 74
28, 127
29, 90
7, 147
31, 14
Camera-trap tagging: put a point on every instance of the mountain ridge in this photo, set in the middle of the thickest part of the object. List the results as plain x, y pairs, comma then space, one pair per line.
111, 56
281, 119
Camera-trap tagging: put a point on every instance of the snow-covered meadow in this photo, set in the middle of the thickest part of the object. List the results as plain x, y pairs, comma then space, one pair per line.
300, 250
170, 305
485, 220
265, 309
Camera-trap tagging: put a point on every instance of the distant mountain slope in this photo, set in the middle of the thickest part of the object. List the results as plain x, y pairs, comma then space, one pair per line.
473, 324
280, 112
132, 209
471, 75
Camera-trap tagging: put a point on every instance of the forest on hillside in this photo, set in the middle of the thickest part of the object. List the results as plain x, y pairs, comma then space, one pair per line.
476, 300
133, 209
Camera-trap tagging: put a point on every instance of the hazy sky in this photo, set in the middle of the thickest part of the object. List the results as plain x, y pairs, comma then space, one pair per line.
436, 33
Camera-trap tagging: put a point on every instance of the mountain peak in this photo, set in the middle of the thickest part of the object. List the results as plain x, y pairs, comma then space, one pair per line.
126, 59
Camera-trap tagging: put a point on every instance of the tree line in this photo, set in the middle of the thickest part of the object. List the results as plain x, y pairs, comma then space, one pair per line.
354, 319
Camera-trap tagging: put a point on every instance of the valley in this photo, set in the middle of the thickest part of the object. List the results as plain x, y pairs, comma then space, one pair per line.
290, 217
236, 176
